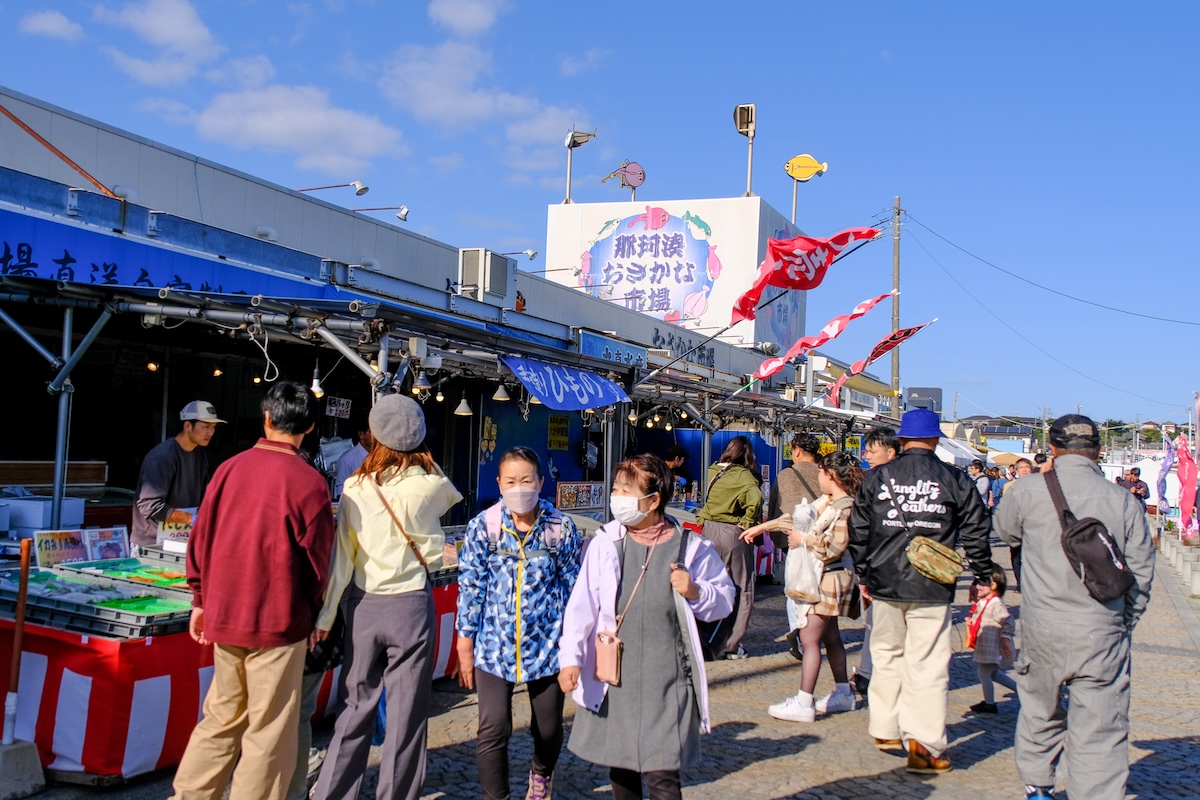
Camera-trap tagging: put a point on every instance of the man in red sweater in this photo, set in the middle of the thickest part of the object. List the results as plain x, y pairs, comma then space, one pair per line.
258, 561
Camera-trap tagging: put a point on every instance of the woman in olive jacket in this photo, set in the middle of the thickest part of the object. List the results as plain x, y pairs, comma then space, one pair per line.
733, 501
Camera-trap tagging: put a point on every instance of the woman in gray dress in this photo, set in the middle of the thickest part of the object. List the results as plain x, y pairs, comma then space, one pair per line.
646, 579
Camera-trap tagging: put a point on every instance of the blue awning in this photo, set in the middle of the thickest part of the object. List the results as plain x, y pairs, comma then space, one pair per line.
565, 388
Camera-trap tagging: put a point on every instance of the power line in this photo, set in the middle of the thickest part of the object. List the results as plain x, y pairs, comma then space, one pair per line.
1021, 336
1155, 317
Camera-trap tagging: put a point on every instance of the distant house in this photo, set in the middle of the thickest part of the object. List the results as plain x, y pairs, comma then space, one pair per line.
1170, 428
1151, 425
1009, 438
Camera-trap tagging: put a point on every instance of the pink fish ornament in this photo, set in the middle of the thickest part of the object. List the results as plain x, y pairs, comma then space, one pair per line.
652, 220
695, 304
713, 267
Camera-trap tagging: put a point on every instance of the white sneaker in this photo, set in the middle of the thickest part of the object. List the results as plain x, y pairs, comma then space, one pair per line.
794, 709
839, 700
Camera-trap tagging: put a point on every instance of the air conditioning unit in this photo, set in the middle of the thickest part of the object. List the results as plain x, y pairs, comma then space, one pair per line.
488, 277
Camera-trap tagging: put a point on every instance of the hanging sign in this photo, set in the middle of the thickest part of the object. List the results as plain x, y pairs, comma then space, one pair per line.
558, 434
565, 388
338, 407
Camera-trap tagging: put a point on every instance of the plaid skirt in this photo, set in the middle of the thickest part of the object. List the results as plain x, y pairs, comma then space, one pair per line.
837, 590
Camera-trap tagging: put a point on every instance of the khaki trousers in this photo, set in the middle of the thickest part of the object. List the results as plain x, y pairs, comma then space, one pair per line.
910, 679
252, 710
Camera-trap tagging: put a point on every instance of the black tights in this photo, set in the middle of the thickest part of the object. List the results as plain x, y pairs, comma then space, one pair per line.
627, 784
821, 630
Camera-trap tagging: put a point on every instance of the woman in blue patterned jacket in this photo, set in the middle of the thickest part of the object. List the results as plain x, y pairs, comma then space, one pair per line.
518, 564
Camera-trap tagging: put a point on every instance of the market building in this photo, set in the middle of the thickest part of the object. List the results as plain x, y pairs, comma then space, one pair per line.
135, 278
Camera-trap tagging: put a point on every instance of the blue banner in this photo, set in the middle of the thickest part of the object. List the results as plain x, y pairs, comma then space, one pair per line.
36, 248
565, 388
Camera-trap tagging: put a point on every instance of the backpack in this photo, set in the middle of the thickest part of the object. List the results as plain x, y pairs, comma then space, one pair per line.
1092, 551
551, 534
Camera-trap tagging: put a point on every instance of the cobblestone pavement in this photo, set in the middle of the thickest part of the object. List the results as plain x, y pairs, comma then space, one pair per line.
751, 755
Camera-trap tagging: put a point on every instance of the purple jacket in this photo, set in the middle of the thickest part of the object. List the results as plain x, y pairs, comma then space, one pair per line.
592, 607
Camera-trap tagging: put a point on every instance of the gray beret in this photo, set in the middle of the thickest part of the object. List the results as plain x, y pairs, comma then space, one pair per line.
398, 422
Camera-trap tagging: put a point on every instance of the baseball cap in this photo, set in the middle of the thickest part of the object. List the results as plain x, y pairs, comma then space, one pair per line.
1074, 430
199, 411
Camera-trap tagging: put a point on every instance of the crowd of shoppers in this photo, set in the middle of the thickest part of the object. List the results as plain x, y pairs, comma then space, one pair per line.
626, 624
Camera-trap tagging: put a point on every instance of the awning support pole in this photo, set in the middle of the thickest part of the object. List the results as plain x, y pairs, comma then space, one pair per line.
73, 359
705, 453
378, 379
55, 361
64, 415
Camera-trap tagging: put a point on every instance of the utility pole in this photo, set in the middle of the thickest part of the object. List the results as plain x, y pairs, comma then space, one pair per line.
956, 406
1045, 430
896, 307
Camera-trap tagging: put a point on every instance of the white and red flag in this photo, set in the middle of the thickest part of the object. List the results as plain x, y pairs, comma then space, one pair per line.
832, 330
885, 345
798, 263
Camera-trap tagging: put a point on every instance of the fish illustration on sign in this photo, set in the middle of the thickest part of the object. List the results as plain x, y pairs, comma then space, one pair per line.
652, 220
804, 167
699, 228
713, 265
607, 229
630, 173
695, 304
673, 316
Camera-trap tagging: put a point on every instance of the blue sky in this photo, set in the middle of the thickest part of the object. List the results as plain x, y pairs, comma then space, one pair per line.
1054, 140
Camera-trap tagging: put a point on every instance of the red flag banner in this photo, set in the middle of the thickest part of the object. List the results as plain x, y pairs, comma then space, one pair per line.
832, 330
798, 263
886, 345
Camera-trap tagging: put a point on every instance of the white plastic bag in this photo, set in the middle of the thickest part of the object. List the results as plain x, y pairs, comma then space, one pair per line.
803, 569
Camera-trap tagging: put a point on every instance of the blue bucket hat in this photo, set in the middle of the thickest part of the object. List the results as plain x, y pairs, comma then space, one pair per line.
920, 423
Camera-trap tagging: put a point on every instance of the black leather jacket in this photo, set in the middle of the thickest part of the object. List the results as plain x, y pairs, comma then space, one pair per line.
939, 502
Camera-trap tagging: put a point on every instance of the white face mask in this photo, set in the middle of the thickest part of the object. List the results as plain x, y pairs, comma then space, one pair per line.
520, 499
625, 509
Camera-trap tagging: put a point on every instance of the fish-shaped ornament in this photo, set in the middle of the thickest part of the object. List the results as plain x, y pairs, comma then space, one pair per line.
607, 229
695, 304
652, 220
630, 174
713, 265
804, 167
700, 229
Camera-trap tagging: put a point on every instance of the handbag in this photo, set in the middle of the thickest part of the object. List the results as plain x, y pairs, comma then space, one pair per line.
609, 648
1091, 550
931, 558
412, 545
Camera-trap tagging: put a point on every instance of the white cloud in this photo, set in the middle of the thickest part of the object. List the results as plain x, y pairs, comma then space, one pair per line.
441, 84
300, 120
438, 84
170, 109
172, 26
248, 73
52, 24
466, 17
570, 66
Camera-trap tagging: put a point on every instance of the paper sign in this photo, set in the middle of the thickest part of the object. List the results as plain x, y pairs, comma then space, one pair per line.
572, 496
106, 543
176, 530
56, 547
558, 433
338, 407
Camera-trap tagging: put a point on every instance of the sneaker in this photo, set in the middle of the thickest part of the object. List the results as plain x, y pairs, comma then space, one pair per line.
794, 710
888, 744
539, 787
837, 701
921, 761
739, 654
1038, 791
985, 708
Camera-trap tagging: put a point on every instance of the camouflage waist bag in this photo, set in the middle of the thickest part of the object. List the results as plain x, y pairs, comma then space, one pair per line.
934, 560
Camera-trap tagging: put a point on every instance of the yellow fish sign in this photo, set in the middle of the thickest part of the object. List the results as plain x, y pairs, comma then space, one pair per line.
803, 167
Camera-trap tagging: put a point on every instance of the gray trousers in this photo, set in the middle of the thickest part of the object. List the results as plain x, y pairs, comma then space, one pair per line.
389, 643
739, 563
1091, 659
